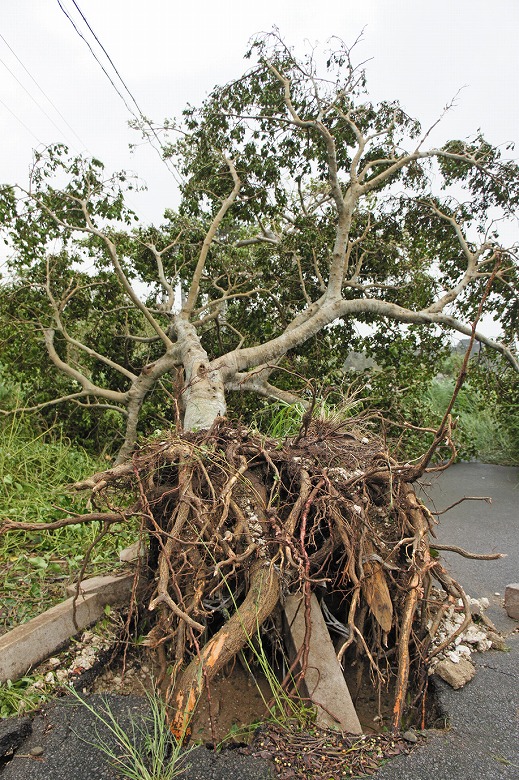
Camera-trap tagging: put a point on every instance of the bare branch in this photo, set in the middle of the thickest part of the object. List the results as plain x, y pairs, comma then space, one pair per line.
89, 387
215, 224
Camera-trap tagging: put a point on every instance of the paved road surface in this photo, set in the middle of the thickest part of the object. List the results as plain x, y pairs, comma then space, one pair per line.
480, 527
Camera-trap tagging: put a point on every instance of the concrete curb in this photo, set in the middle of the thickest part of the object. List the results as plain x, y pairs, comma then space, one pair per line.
34, 641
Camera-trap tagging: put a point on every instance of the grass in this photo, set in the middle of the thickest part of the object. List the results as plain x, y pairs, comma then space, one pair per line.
478, 434
35, 567
24, 695
147, 750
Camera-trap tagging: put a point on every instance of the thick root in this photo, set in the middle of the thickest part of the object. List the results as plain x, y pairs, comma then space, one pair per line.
260, 601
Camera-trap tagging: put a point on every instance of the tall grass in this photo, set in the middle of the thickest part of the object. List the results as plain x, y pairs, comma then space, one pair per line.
479, 433
35, 469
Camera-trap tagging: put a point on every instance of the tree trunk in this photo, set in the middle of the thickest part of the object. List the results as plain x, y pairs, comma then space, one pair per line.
204, 397
203, 394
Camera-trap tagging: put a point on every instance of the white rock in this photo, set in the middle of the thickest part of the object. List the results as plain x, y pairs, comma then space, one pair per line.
464, 651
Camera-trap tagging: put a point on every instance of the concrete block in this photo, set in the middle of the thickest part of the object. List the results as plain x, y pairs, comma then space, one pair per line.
115, 591
27, 645
512, 600
133, 553
324, 680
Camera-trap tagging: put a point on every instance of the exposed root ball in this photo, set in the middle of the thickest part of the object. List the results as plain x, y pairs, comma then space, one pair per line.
237, 522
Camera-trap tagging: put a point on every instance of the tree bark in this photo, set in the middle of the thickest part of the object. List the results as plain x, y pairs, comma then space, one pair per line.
204, 392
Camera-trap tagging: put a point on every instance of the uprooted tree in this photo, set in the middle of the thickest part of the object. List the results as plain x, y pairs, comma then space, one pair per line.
305, 210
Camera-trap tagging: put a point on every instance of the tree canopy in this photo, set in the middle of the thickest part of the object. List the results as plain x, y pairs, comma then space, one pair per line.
306, 210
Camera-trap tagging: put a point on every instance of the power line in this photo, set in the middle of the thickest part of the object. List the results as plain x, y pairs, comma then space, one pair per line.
141, 116
96, 58
56, 109
15, 77
21, 122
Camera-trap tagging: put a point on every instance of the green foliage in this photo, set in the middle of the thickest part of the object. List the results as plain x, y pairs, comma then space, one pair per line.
35, 469
74, 240
486, 413
24, 695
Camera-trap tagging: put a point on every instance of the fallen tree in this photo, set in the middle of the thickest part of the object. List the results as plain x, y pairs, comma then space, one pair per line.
290, 232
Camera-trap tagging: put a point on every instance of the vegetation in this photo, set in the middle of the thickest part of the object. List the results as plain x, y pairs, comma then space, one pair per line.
147, 751
35, 567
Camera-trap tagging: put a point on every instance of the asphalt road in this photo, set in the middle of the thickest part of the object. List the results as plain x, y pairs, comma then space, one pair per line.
480, 527
482, 740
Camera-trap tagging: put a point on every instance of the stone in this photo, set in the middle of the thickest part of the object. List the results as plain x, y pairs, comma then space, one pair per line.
410, 736
512, 600
324, 681
455, 674
36, 751
498, 642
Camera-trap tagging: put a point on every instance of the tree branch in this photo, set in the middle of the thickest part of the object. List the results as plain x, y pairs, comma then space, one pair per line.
215, 224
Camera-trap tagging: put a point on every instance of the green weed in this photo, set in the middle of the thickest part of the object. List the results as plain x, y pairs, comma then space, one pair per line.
24, 695
147, 751
35, 469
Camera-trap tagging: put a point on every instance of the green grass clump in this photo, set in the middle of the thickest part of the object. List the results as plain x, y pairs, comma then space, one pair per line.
35, 566
145, 751
479, 433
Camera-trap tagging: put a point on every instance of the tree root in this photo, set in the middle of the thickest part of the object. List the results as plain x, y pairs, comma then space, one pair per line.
235, 522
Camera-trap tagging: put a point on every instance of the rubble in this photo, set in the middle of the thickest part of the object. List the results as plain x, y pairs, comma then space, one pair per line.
453, 664
512, 600
456, 674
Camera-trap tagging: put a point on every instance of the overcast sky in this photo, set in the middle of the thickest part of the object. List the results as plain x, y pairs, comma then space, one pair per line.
169, 53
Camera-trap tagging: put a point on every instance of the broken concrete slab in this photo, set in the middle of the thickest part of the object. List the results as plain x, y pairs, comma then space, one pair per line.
133, 553
512, 600
29, 644
455, 674
324, 680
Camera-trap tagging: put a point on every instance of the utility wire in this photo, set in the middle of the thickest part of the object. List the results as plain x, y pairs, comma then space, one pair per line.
141, 114
21, 122
140, 117
96, 58
56, 109
15, 77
